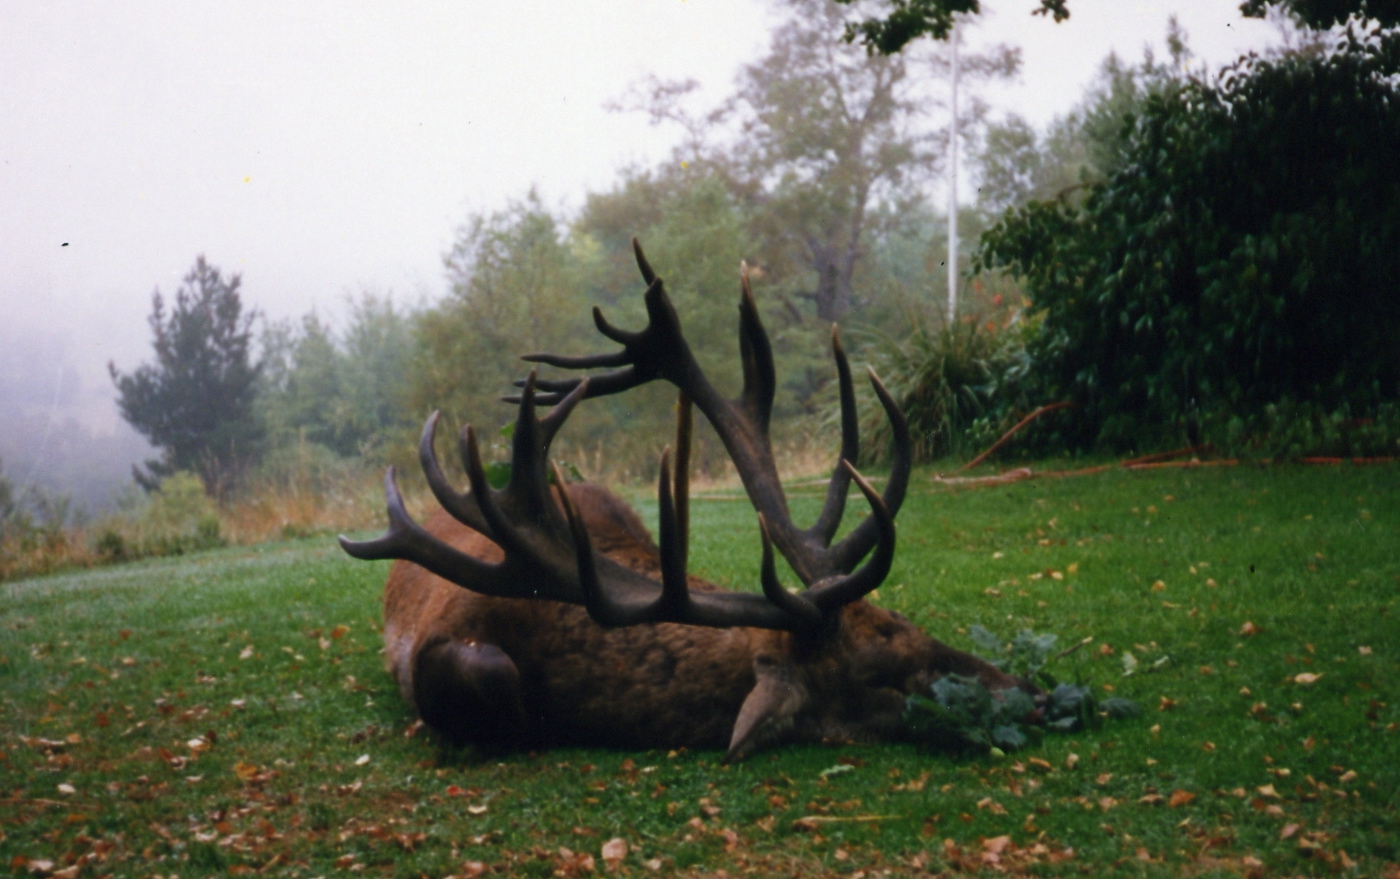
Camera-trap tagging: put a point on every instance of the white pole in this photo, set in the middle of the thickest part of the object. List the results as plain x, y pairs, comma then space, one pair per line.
953, 188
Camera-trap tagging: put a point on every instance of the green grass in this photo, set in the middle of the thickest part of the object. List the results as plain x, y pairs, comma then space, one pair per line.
211, 714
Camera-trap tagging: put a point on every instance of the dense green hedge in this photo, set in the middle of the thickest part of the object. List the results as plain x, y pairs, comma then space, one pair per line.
1246, 256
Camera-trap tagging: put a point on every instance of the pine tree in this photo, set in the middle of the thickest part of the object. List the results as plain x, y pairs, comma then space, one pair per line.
196, 401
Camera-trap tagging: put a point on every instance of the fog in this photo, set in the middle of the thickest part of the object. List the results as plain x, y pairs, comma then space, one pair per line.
321, 148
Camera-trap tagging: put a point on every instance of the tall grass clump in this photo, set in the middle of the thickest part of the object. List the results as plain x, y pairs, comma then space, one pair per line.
956, 382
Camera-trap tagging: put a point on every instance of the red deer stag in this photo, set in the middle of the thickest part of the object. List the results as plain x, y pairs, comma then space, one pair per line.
531, 616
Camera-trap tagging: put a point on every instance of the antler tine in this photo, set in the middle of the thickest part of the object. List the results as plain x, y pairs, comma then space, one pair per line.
756, 357
554, 419
529, 475
685, 429
648, 274
463, 507
824, 529
674, 603
405, 539
800, 607
603, 610
833, 594
587, 361
502, 532
856, 544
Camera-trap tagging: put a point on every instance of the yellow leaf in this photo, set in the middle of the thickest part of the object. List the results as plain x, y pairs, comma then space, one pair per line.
245, 771
1267, 790
1180, 798
1306, 678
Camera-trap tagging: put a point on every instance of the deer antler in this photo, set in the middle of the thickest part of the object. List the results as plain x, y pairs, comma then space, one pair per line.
659, 350
548, 553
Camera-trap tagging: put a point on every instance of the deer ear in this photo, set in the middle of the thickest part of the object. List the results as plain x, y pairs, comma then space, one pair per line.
768, 711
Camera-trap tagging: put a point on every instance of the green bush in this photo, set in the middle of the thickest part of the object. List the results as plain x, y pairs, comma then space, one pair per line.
175, 519
1242, 257
959, 385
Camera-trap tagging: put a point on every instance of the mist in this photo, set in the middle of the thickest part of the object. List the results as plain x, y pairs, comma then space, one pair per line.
319, 150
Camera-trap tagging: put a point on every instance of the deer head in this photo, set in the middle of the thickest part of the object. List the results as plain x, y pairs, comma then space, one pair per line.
570, 625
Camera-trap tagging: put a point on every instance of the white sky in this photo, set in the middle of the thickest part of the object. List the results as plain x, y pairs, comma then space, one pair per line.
320, 148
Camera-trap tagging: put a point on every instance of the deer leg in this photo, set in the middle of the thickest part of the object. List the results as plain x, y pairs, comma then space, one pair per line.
470, 692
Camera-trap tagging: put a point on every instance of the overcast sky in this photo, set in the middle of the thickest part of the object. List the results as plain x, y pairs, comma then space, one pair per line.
321, 148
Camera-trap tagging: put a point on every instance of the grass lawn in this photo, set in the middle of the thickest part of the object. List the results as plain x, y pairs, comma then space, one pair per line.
229, 712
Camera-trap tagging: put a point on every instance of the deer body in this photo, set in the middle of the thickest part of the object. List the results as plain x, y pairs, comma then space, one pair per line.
532, 616
662, 685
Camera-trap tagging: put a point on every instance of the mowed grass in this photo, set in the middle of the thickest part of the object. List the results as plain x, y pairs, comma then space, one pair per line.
229, 712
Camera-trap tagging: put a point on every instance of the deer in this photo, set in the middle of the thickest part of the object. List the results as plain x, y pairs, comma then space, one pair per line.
545, 614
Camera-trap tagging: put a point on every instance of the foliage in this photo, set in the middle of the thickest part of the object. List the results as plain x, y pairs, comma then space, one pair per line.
174, 519
1014, 164
346, 392
1239, 258
960, 712
514, 284
907, 20
126, 671
196, 402
826, 134
1024, 656
34, 527
957, 384
1327, 13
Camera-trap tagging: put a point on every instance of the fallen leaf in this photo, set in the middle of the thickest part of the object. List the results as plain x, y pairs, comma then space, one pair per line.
997, 844
362, 760
1159, 586
245, 771
1267, 790
1249, 629
614, 849
1288, 831
1364, 651
67, 789
1071, 761
1180, 798
1306, 678
246, 652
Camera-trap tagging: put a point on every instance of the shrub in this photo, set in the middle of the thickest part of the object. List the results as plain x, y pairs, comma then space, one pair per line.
959, 385
1242, 257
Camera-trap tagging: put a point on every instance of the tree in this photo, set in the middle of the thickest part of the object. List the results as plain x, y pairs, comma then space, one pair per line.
907, 20
827, 133
1327, 13
1016, 164
514, 289
832, 143
196, 401
1240, 259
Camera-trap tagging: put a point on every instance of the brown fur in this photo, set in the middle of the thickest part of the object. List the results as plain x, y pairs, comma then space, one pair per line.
530, 673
